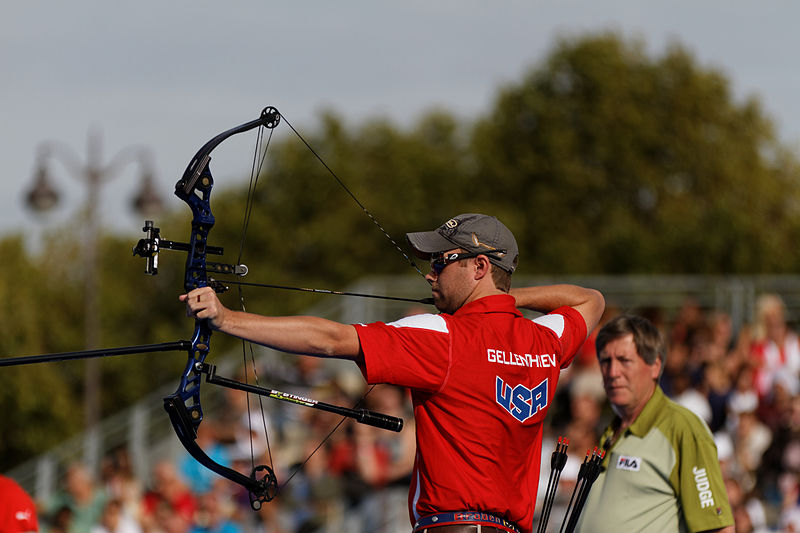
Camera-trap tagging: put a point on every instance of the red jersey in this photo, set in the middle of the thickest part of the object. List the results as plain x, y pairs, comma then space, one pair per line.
481, 381
17, 510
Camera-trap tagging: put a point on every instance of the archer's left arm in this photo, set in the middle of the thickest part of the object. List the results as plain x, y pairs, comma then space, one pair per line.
295, 334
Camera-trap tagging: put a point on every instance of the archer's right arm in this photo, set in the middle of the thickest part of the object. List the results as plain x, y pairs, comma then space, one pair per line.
545, 298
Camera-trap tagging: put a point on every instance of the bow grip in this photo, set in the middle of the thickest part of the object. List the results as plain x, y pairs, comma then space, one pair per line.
379, 420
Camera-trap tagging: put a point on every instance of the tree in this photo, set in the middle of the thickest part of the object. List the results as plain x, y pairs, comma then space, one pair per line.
39, 404
619, 163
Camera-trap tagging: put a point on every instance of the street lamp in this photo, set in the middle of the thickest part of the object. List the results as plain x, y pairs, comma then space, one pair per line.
93, 173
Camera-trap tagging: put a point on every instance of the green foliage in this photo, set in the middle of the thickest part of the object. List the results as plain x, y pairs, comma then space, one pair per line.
40, 403
601, 160
629, 164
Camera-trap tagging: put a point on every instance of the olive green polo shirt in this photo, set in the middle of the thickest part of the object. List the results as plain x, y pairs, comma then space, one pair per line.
662, 474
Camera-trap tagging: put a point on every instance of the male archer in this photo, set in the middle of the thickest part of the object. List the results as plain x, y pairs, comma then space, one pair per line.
481, 375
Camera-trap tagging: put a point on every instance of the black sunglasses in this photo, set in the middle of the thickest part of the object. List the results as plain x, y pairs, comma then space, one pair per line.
438, 263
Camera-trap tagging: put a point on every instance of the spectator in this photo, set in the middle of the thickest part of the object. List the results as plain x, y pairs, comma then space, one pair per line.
748, 512
750, 436
114, 520
212, 517
82, 497
776, 349
200, 478
120, 482
168, 496
60, 520
683, 393
717, 387
586, 397
314, 497
781, 461
165, 520
384, 462
790, 509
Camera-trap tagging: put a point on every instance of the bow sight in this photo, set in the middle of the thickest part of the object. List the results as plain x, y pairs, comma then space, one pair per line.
152, 244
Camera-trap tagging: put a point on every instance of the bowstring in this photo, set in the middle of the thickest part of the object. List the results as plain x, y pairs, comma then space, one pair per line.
353, 196
255, 172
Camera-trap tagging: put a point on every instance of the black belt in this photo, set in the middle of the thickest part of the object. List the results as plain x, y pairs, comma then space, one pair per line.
465, 522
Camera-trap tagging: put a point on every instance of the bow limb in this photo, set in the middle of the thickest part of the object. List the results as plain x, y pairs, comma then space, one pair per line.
269, 118
261, 489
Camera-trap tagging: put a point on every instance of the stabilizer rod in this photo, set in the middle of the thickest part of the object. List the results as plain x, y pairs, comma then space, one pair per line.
362, 416
176, 346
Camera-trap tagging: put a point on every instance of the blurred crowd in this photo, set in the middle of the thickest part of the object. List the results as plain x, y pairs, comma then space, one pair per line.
333, 474
745, 384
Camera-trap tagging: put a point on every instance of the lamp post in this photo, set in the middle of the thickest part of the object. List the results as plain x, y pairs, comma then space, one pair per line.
93, 173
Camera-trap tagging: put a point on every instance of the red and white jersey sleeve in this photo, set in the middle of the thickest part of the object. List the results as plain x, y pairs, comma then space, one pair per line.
569, 329
412, 352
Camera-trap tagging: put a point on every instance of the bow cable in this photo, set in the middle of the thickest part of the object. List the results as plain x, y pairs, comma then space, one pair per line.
257, 167
255, 172
323, 291
353, 196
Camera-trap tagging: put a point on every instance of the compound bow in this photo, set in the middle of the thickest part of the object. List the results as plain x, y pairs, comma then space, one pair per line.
184, 405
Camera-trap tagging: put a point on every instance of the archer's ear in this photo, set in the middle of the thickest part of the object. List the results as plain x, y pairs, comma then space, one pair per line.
483, 267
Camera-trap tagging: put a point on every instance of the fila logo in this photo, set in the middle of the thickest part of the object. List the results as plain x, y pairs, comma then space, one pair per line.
521, 401
626, 462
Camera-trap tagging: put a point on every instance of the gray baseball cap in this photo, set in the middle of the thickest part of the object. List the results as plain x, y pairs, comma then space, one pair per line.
472, 232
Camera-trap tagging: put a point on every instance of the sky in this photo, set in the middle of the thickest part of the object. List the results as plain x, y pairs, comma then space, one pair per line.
158, 79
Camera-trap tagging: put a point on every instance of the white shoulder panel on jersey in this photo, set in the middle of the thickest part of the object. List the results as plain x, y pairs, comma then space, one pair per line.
554, 322
426, 321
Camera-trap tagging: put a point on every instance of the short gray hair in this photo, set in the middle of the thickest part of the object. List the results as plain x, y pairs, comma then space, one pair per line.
649, 344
